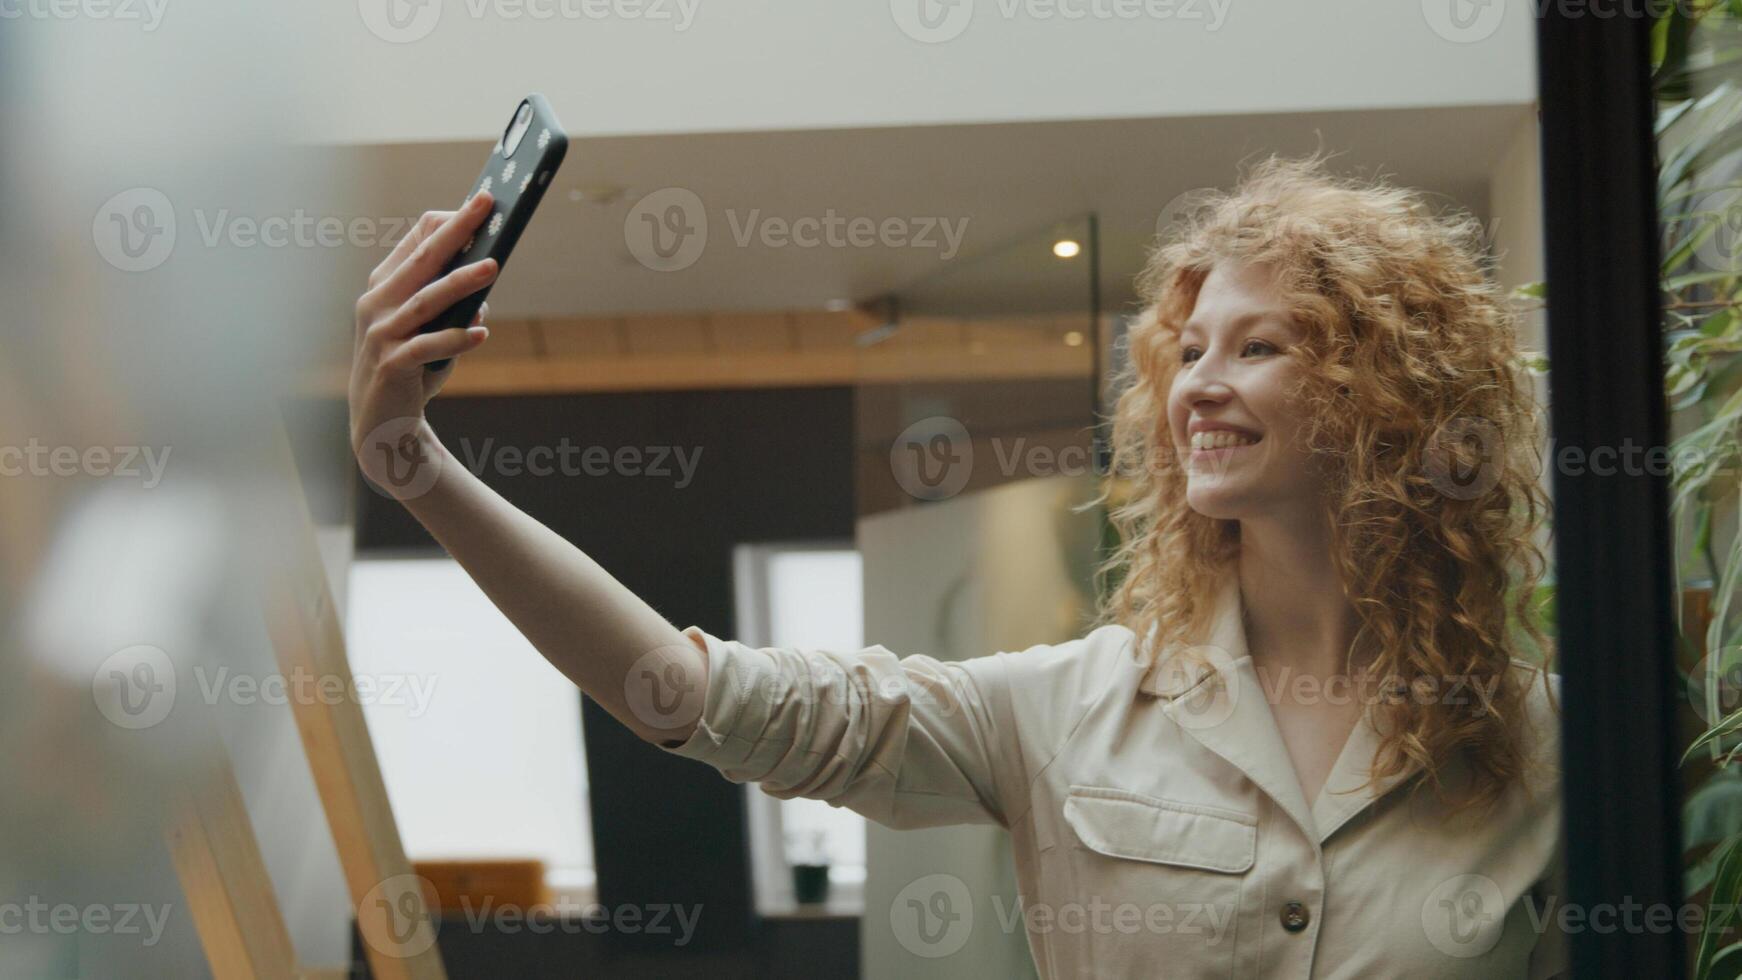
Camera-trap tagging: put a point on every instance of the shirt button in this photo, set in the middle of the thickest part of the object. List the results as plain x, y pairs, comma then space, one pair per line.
1295, 916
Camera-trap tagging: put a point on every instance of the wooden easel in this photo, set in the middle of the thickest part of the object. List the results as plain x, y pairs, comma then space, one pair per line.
216, 854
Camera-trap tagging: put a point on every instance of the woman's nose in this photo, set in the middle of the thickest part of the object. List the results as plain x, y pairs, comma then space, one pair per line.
1204, 382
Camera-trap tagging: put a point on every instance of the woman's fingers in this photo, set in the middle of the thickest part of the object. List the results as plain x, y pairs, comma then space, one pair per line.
422, 229
429, 256
483, 311
440, 345
432, 299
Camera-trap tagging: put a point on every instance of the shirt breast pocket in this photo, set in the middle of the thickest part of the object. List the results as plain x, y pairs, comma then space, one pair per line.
1167, 874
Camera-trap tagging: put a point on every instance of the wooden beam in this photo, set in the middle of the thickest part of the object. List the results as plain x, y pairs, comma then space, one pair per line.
751, 350
399, 938
224, 880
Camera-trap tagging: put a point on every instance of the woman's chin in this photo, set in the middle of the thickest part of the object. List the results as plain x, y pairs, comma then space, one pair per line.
1216, 502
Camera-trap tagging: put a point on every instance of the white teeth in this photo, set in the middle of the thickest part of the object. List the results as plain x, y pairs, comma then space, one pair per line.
1221, 439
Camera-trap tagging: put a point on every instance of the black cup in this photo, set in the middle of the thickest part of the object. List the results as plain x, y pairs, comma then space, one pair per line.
810, 883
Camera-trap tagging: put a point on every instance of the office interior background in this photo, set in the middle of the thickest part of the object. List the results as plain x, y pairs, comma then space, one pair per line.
801, 261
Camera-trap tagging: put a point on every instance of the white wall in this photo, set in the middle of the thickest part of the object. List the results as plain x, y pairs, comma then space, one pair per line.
459, 65
1515, 228
1515, 203
996, 570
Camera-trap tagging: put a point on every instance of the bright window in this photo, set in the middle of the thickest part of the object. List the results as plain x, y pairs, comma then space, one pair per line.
806, 596
480, 747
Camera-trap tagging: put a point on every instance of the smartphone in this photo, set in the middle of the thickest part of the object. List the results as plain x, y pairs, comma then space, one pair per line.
519, 169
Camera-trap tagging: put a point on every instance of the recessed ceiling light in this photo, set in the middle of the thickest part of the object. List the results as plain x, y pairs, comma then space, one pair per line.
1065, 248
1074, 338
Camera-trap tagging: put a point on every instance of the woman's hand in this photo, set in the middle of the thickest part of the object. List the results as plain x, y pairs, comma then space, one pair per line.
389, 383
585, 622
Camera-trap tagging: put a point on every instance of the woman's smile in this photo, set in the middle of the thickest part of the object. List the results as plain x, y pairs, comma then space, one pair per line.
1211, 442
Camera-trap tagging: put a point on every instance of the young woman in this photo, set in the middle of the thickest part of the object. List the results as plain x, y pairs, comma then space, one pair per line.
1301, 741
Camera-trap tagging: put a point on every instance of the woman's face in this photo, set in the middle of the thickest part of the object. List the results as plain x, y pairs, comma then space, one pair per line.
1228, 410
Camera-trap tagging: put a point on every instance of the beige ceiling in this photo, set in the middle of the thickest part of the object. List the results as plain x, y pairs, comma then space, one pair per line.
1007, 182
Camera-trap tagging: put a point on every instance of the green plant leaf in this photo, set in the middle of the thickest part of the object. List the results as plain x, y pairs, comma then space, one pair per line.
1701, 873
1726, 963
1679, 283
1713, 814
1726, 892
1669, 51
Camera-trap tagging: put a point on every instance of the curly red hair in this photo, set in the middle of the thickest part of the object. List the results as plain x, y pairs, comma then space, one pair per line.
1409, 350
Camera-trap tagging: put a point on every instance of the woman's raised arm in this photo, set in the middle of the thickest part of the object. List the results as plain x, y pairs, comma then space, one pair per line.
585, 622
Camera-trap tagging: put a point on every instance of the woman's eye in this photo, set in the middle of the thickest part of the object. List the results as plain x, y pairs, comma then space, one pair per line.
1252, 347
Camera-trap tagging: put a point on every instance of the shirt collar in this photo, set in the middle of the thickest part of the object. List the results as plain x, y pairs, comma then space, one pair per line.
1211, 689
1177, 668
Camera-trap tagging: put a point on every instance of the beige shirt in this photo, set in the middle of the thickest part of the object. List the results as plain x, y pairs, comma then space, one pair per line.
1158, 825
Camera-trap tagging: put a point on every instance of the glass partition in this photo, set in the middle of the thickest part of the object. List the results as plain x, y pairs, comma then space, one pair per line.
992, 372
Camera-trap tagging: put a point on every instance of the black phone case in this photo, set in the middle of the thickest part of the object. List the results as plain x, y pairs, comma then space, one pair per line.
517, 181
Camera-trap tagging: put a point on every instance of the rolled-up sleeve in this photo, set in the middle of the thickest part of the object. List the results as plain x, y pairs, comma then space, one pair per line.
910, 742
